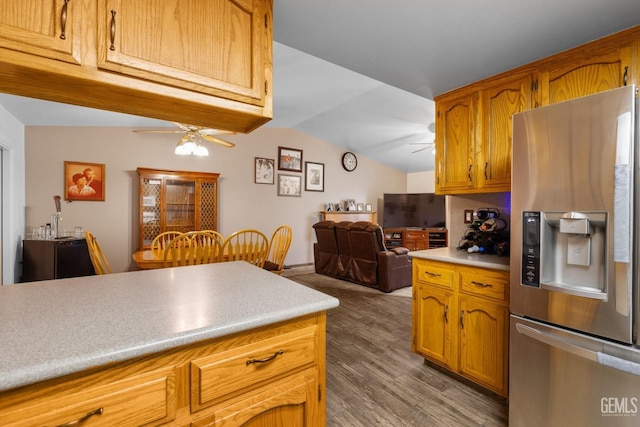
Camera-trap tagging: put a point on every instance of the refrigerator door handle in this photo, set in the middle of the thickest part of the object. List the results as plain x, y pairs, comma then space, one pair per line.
557, 342
595, 356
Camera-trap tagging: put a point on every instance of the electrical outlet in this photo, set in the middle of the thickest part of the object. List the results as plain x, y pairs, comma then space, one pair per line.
468, 216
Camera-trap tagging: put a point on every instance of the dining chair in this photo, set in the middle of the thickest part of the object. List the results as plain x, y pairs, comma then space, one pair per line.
246, 245
278, 248
161, 242
196, 247
99, 261
216, 234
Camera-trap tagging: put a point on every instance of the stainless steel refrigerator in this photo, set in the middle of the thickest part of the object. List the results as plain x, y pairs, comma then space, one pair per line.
574, 355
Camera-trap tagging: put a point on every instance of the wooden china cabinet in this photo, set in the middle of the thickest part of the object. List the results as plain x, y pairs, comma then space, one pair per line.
176, 201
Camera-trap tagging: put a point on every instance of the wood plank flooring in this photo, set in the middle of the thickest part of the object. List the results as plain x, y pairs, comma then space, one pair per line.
373, 378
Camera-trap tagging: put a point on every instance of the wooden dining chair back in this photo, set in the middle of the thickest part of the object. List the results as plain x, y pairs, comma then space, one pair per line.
215, 234
161, 242
246, 245
196, 247
278, 248
99, 261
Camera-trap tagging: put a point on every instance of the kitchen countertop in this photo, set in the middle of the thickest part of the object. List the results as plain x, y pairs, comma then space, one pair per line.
455, 256
57, 327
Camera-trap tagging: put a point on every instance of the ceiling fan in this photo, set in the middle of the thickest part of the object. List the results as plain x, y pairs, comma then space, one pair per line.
193, 136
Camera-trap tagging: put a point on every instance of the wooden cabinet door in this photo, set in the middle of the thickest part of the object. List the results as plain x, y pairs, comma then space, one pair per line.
484, 342
214, 47
456, 144
49, 28
434, 324
498, 104
584, 73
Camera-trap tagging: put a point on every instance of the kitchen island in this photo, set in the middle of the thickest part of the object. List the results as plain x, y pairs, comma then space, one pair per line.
206, 344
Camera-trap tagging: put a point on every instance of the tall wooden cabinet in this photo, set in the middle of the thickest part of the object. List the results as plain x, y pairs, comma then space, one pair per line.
176, 201
460, 320
473, 123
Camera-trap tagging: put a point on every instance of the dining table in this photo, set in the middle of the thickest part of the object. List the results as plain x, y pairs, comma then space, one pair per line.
148, 259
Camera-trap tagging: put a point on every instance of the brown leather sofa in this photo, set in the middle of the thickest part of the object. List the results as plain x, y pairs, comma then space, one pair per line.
355, 251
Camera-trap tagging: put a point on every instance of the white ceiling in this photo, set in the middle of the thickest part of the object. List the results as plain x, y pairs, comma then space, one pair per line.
393, 58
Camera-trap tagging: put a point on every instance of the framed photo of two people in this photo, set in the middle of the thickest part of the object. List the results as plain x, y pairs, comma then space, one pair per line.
84, 181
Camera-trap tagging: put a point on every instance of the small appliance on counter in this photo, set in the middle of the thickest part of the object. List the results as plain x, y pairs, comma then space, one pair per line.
574, 349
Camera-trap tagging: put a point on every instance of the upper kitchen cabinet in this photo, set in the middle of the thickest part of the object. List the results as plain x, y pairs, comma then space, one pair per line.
473, 136
214, 47
585, 71
473, 123
498, 103
456, 143
198, 62
48, 28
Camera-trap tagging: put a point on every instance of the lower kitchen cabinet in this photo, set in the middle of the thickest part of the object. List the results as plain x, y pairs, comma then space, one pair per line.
272, 375
460, 320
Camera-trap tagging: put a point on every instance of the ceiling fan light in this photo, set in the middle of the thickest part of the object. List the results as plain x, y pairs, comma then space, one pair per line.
201, 151
181, 150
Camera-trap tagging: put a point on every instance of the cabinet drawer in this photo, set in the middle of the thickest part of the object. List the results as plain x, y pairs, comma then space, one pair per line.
147, 399
425, 272
218, 375
488, 284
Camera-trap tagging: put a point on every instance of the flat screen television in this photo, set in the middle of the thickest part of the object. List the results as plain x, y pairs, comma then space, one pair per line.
414, 210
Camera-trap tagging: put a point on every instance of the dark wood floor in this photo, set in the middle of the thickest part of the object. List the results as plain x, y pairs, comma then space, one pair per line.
373, 378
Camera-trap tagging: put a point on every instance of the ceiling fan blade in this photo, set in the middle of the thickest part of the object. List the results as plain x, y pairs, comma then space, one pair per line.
216, 140
158, 131
420, 149
212, 131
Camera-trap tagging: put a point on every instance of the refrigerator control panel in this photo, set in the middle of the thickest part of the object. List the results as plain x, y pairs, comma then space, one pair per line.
531, 249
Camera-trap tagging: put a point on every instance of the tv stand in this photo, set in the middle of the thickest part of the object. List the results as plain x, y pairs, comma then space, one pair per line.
416, 238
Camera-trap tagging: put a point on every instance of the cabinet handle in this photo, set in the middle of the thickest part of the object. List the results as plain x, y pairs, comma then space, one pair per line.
446, 314
113, 30
486, 165
482, 285
625, 76
469, 173
81, 420
266, 359
462, 319
63, 21
432, 274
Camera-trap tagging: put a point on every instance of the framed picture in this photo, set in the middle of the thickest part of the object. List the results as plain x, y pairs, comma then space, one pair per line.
368, 207
314, 176
289, 159
289, 185
264, 170
350, 205
84, 181
360, 207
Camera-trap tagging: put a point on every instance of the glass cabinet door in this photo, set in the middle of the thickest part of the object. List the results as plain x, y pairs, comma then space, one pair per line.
180, 205
150, 228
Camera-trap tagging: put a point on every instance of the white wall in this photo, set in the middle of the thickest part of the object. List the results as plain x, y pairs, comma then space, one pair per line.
421, 182
243, 204
13, 195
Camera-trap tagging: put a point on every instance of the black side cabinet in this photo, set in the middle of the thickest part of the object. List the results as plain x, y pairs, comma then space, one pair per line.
55, 259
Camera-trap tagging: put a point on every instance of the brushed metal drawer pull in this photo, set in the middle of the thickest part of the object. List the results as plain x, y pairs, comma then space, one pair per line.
432, 274
483, 285
266, 359
63, 20
81, 420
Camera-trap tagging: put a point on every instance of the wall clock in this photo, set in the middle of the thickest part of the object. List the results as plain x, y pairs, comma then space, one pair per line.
349, 161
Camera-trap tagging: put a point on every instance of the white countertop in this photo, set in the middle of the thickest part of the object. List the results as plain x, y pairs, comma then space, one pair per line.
57, 327
455, 256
